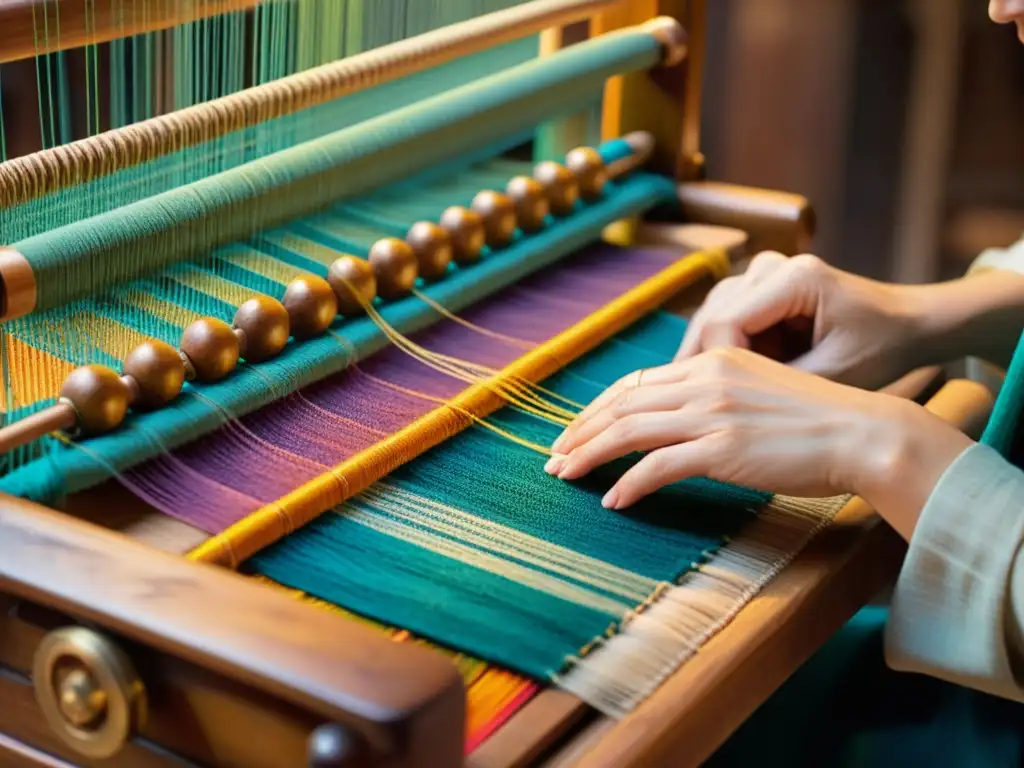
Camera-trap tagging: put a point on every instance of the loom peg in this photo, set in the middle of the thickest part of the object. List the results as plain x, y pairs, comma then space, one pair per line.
588, 167
262, 327
210, 349
56, 418
672, 36
432, 246
354, 284
532, 206
99, 397
155, 373
395, 267
560, 186
311, 304
642, 145
466, 228
499, 216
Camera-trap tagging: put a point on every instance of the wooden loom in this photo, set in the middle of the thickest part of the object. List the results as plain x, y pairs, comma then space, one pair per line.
149, 627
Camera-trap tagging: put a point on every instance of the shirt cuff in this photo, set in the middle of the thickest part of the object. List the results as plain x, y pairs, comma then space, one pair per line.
1007, 259
952, 613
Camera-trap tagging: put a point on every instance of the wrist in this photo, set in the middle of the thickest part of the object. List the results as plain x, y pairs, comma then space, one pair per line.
978, 316
904, 451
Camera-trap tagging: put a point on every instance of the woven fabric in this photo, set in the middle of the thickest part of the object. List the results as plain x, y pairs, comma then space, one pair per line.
474, 547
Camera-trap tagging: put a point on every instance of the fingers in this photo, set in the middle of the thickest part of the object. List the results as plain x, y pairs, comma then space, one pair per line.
654, 398
774, 289
663, 467
636, 432
650, 377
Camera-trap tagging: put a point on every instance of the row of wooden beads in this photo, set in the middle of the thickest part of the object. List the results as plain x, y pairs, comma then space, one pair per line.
154, 373
461, 233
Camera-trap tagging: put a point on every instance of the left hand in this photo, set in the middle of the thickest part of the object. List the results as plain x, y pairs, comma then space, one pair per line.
735, 416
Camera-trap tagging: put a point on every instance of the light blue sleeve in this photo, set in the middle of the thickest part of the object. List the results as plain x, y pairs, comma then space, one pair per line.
958, 607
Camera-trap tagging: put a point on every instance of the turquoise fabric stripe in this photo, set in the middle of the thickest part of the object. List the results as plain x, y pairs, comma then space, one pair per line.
86, 256
201, 409
429, 579
1005, 421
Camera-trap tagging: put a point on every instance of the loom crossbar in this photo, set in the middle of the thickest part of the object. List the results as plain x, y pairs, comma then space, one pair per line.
78, 162
84, 257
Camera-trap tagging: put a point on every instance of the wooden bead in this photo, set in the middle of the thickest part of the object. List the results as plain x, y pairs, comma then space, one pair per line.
353, 283
262, 327
210, 348
531, 203
587, 165
499, 216
155, 372
432, 246
394, 265
466, 229
311, 306
99, 397
560, 186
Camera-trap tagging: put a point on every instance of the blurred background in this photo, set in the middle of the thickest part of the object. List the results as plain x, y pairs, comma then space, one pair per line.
902, 120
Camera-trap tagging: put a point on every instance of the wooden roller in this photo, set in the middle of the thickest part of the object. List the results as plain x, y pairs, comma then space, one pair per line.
776, 221
27, 178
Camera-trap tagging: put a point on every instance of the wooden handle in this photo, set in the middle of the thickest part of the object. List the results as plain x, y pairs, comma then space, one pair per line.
82, 22
776, 221
404, 702
24, 431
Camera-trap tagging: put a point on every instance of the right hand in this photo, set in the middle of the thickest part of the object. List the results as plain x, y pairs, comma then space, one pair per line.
846, 328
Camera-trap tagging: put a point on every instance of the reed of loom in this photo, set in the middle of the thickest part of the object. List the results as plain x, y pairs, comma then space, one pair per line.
322, 688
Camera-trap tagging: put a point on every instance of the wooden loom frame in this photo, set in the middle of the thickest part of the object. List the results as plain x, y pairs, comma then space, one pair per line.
246, 671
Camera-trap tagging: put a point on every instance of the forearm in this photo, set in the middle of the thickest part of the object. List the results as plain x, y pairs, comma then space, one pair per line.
981, 315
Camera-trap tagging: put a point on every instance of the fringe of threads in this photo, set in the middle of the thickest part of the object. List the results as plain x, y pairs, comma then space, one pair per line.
620, 671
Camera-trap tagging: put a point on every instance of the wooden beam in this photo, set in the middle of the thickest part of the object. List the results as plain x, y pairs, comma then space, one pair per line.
31, 28
404, 702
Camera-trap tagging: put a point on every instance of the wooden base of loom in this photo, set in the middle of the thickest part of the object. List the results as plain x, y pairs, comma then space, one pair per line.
303, 668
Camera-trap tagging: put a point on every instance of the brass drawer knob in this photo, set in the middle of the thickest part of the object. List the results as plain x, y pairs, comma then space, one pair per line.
88, 691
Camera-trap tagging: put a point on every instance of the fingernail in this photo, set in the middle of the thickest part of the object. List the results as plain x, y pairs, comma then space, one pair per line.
554, 464
610, 499
558, 443
564, 469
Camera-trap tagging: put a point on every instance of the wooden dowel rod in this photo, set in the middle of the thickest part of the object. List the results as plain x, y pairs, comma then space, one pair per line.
30, 28
24, 431
32, 176
642, 144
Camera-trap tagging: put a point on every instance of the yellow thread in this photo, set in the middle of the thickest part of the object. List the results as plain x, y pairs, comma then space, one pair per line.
508, 389
346, 228
307, 247
262, 528
107, 335
165, 310
214, 285
34, 374
262, 264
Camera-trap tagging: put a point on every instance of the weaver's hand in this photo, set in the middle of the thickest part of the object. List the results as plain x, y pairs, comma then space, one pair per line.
816, 318
736, 416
